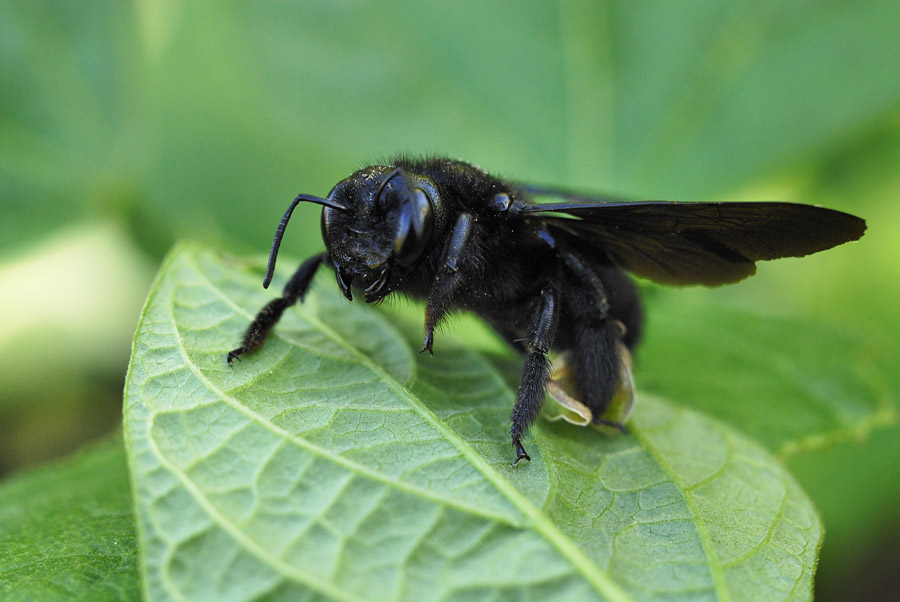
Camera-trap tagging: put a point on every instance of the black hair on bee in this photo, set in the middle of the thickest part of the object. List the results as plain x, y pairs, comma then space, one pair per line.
545, 276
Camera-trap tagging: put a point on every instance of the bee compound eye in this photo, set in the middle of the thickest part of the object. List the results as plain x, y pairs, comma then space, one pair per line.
413, 228
326, 225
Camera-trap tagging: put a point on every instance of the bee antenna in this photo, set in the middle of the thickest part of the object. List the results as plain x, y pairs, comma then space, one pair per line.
398, 171
279, 233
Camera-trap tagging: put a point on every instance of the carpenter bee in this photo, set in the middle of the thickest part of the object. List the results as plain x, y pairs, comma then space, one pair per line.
544, 276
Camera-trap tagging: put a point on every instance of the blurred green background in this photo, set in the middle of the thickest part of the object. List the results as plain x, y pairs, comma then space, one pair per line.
127, 125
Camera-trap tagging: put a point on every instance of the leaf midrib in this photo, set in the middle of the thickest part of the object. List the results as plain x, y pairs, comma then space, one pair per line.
233, 530
598, 578
318, 450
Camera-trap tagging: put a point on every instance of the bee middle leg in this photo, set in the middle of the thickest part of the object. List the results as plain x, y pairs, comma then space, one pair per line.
536, 373
269, 315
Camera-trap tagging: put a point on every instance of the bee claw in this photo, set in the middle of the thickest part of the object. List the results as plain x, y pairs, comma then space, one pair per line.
235, 354
428, 343
521, 454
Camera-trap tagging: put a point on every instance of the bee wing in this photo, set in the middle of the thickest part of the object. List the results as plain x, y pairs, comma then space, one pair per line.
694, 243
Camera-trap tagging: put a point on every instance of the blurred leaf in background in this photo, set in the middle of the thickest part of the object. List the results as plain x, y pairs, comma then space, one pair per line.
125, 126
67, 530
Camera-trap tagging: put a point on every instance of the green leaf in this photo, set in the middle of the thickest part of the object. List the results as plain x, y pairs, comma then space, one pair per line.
67, 531
789, 384
335, 463
239, 106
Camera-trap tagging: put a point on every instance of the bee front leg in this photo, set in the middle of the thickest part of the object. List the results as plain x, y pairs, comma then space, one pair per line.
440, 298
536, 373
269, 315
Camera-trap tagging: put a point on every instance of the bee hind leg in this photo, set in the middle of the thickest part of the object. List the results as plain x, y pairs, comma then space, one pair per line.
596, 365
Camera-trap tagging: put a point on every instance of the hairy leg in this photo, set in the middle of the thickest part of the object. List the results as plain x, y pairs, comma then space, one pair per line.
440, 298
269, 315
596, 364
536, 373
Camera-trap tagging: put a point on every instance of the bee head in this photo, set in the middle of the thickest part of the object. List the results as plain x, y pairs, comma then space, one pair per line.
375, 224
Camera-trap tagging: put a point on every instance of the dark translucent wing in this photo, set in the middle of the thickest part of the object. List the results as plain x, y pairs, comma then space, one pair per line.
696, 243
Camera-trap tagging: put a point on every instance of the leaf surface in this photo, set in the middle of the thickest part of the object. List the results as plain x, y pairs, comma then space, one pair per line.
232, 106
787, 383
335, 464
67, 531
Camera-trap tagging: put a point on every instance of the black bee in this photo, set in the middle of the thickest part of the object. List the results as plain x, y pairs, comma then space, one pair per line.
545, 276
